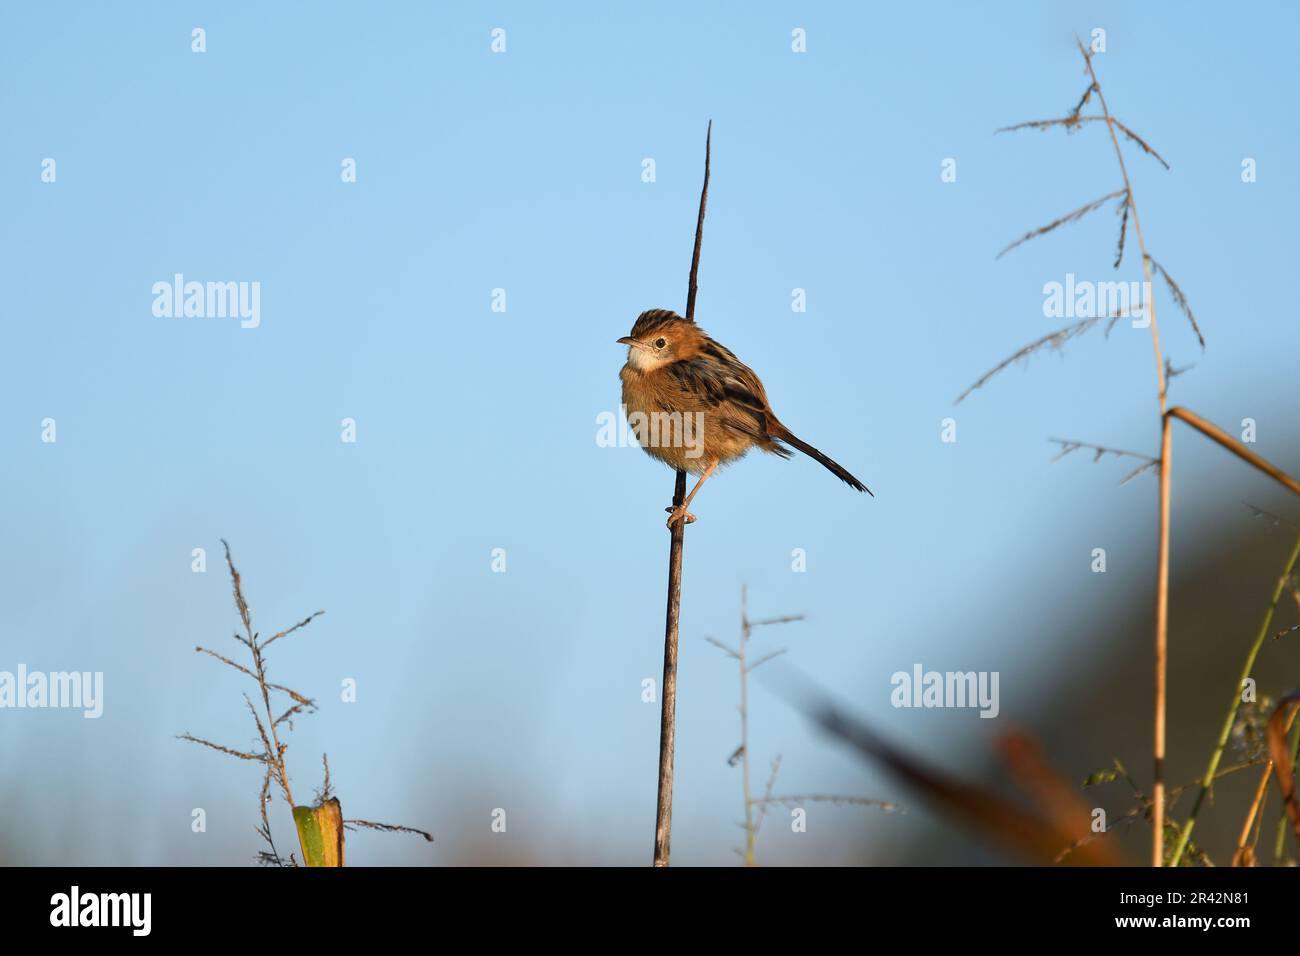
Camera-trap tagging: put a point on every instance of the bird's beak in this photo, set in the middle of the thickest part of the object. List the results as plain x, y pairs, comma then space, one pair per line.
628, 340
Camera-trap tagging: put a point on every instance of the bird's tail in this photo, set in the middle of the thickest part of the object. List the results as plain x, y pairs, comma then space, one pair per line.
839, 471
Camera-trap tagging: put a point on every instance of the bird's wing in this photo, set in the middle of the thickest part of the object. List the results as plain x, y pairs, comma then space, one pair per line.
721, 386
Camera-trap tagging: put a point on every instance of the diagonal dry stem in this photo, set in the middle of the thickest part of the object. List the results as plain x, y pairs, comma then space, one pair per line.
386, 828
1245, 853
1101, 451
1180, 300
1063, 220
242, 755
289, 630
1217, 434
1033, 835
1052, 340
304, 701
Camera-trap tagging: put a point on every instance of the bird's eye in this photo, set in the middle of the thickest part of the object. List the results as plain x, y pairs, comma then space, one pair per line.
660, 343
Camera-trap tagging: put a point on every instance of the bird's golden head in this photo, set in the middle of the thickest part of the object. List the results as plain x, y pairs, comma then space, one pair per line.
659, 337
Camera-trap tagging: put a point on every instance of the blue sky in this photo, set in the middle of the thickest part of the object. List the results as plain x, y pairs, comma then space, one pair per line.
476, 429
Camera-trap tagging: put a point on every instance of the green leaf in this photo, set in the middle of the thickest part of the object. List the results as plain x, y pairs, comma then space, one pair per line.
320, 830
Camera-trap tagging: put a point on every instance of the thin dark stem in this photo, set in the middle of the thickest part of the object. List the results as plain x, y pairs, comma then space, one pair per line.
693, 287
668, 713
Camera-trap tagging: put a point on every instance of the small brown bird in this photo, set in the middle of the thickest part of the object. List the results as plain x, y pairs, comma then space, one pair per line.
695, 406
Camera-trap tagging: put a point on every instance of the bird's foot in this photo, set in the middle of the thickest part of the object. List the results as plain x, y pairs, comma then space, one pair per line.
678, 513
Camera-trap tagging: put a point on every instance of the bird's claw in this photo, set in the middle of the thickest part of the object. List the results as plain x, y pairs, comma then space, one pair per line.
678, 513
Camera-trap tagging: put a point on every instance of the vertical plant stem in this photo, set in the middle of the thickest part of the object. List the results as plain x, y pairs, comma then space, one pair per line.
751, 835
1162, 573
694, 286
1255, 812
1235, 704
1279, 843
1216, 434
668, 712
1162, 646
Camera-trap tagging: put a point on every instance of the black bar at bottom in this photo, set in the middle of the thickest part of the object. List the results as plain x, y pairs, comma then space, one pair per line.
252, 905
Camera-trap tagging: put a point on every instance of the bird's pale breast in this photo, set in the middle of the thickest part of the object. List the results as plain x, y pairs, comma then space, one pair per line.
677, 427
